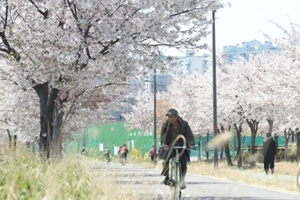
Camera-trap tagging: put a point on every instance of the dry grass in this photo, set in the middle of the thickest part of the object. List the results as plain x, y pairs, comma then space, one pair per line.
23, 176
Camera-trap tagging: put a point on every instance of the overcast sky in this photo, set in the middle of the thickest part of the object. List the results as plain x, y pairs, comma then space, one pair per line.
245, 20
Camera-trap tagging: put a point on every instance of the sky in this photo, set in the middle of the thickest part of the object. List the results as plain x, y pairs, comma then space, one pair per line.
245, 20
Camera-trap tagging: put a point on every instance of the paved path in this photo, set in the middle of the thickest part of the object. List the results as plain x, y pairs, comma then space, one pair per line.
146, 184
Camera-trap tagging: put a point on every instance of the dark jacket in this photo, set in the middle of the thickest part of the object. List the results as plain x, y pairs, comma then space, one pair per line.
269, 150
185, 130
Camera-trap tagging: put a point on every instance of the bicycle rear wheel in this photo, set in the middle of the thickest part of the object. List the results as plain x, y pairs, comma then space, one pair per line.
123, 160
176, 179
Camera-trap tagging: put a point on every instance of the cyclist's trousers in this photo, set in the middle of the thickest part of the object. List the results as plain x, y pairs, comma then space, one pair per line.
183, 162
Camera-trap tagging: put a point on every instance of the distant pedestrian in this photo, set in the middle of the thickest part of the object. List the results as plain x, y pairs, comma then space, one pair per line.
269, 152
107, 154
83, 151
206, 150
151, 153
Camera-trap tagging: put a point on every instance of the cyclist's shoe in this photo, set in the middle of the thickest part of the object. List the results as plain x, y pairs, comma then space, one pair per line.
166, 181
182, 185
267, 171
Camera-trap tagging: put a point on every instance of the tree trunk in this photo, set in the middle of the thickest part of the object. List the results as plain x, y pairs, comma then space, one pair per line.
238, 129
42, 91
57, 133
298, 142
226, 147
221, 151
270, 122
287, 135
206, 147
276, 141
15, 140
50, 121
285, 149
253, 124
9, 138
199, 148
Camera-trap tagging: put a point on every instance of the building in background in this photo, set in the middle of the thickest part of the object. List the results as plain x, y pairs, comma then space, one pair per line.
192, 63
188, 63
248, 49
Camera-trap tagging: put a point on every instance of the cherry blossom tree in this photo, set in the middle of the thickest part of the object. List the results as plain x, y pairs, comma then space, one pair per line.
68, 49
18, 108
289, 42
142, 113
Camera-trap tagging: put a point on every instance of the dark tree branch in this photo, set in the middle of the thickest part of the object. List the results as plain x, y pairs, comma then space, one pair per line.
45, 13
9, 49
108, 84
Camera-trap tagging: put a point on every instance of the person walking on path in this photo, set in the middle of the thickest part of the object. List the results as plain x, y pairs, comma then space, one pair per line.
269, 151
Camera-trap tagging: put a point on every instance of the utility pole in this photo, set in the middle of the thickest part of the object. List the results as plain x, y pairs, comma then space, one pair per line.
154, 122
215, 127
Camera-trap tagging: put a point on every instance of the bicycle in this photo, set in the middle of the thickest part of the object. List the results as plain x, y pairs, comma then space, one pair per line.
123, 159
175, 173
107, 158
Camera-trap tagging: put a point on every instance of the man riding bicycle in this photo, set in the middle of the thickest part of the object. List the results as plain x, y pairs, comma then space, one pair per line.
107, 154
123, 151
173, 127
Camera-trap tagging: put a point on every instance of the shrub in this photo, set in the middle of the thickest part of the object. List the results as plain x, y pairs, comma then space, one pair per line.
246, 157
280, 155
135, 154
146, 157
259, 157
292, 156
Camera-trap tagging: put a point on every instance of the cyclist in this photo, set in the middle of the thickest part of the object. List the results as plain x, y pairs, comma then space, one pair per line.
83, 151
107, 154
173, 127
151, 153
123, 151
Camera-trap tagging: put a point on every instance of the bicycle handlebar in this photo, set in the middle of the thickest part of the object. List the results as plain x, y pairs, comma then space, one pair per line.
179, 147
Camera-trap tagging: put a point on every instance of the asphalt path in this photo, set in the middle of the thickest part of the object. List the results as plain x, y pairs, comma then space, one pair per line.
142, 183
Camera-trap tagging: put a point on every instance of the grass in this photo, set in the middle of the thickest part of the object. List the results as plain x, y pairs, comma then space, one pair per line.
24, 176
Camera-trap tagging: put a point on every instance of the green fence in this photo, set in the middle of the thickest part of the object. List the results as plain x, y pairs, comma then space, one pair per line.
245, 144
97, 137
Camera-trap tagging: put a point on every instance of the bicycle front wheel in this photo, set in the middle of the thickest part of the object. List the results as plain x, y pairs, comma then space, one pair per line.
176, 179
